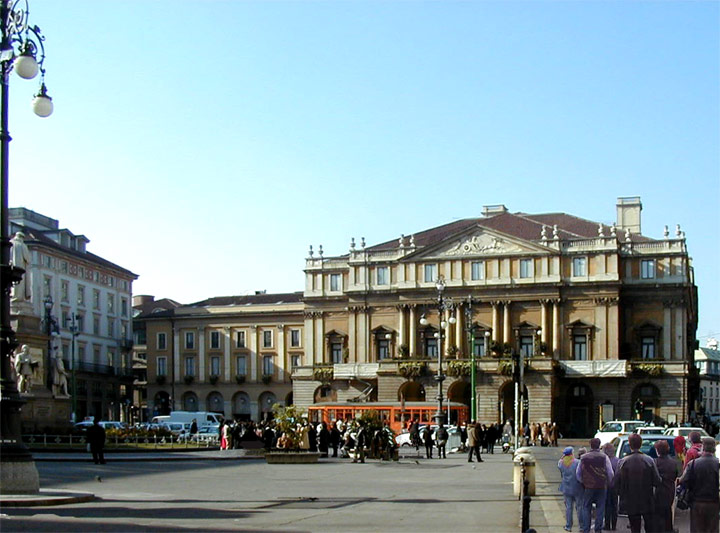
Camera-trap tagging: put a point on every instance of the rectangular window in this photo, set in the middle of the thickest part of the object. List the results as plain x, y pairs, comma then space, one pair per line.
579, 266
111, 327
526, 268
190, 340
81, 353
647, 269
430, 273
124, 306
63, 267
294, 361
334, 282
336, 353
65, 290
162, 366
267, 339
580, 347
295, 338
47, 286
161, 341
111, 358
480, 347
240, 339
648, 347
81, 295
96, 299
241, 363
80, 323
526, 345
215, 366
431, 347
268, 366
123, 330
383, 275
215, 340
96, 325
190, 366
110, 304
477, 270
96, 355
383, 349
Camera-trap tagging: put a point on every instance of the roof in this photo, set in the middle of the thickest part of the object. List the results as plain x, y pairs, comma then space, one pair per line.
521, 225
251, 299
703, 354
155, 306
35, 236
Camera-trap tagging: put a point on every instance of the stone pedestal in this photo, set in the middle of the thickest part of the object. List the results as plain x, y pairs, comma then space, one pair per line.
19, 477
44, 414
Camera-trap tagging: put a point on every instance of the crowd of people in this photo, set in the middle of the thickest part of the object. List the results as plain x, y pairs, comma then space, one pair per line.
642, 487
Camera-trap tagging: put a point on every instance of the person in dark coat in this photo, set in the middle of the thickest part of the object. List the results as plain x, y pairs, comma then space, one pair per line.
268, 437
701, 477
611, 500
637, 474
335, 437
313, 436
595, 472
96, 439
427, 437
474, 442
324, 440
361, 441
415, 434
665, 491
441, 438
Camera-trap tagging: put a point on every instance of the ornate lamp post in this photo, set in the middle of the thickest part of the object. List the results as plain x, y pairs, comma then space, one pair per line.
20, 45
470, 330
443, 304
74, 331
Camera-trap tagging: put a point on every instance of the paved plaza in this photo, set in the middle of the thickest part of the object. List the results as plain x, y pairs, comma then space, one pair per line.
206, 491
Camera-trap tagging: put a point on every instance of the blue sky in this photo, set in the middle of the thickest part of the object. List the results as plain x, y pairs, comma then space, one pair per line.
205, 144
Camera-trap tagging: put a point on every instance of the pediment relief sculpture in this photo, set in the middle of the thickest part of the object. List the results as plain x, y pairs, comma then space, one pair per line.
482, 244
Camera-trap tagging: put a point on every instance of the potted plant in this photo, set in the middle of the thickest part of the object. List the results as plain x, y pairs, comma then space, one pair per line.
403, 351
413, 369
214, 379
287, 420
160, 380
452, 351
323, 374
266, 378
240, 379
188, 379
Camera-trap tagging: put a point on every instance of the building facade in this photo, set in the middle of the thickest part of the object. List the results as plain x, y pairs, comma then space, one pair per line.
77, 308
707, 362
604, 316
231, 355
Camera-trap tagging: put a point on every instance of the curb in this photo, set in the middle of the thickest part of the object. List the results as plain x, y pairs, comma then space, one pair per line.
45, 498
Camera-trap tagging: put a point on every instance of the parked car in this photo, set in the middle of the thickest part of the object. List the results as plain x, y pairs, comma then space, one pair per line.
176, 428
650, 430
622, 447
617, 428
206, 434
81, 427
685, 431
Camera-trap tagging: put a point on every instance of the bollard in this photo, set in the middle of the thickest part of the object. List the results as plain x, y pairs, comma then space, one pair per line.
526, 506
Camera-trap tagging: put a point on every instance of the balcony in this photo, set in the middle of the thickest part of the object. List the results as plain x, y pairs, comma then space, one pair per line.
595, 369
356, 371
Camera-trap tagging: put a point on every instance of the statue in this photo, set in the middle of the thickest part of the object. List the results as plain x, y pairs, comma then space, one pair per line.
23, 369
21, 258
59, 378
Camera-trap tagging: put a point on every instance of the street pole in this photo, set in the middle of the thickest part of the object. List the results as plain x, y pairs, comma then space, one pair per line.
74, 332
473, 371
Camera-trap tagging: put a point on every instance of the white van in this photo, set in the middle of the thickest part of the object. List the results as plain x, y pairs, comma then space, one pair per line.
204, 418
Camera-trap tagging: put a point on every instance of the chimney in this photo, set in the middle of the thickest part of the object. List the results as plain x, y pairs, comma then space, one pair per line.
492, 210
628, 214
142, 299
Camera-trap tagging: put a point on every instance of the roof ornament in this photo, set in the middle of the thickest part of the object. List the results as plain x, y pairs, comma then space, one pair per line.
401, 241
320, 250
352, 244
555, 232
613, 231
627, 234
362, 242
412, 241
666, 232
543, 233
310, 252
678, 233
601, 230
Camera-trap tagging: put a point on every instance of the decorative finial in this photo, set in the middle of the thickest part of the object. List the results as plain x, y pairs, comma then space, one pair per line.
555, 232
401, 241
543, 233
352, 244
362, 242
627, 234
613, 230
320, 250
666, 233
678, 233
311, 253
601, 230
412, 241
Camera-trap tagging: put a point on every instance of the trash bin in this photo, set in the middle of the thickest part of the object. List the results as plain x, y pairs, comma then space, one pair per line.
526, 460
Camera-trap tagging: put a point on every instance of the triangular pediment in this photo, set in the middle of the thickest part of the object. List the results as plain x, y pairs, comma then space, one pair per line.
480, 242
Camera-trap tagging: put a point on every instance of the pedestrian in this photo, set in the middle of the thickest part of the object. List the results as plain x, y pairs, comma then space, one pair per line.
570, 487
312, 438
596, 474
701, 478
665, 491
636, 477
554, 432
695, 450
415, 434
193, 427
441, 437
96, 441
427, 438
611, 500
361, 440
474, 442
335, 436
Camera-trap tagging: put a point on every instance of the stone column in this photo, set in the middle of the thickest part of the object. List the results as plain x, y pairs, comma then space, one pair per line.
412, 340
679, 332
495, 321
226, 353
280, 361
459, 328
252, 363
506, 321
543, 322
352, 334
201, 355
309, 332
319, 338
667, 330
556, 328
401, 324
176, 356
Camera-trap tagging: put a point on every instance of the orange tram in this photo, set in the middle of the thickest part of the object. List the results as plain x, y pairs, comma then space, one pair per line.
397, 414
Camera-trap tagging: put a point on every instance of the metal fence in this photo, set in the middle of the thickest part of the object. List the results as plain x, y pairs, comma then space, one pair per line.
118, 441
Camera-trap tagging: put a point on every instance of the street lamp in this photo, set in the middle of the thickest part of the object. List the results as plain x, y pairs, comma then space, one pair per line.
74, 331
51, 330
443, 304
20, 45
